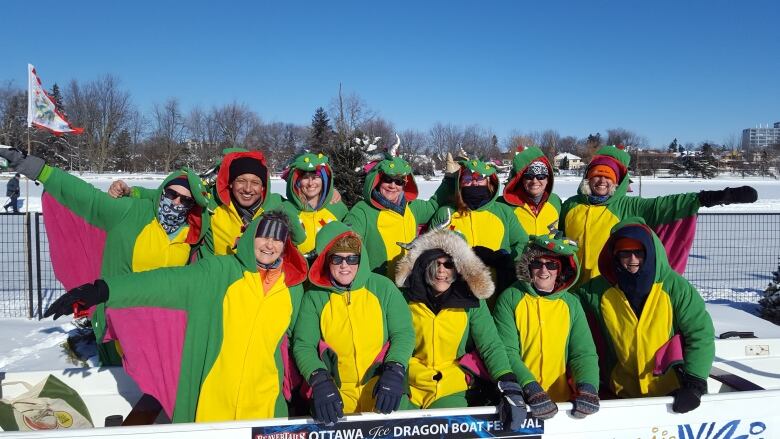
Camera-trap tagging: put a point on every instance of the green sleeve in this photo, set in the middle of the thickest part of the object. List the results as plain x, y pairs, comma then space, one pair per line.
297, 232
582, 359
339, 210
555, 201
356, 219
485, 336
143, 193
400, 331
423, 210
296, 296
172, 287
307, 336
694, 324
662, 210
85, 200
504, 316
567, 205
441, 216
515, 233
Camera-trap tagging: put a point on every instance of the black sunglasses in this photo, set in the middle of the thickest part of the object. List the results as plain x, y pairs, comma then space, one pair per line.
639, 253
399, 181
551, 265
531, 177
447, 264
183, 199
351, 259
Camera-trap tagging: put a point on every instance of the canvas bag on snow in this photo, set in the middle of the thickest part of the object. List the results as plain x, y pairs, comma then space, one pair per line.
49, 405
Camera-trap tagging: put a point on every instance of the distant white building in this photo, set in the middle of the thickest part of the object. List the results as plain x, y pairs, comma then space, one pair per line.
575, 162
760, 137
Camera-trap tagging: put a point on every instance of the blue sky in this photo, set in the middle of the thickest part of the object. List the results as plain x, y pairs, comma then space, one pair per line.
698, 70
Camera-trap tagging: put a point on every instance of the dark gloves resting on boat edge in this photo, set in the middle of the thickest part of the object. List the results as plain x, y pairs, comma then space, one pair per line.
688, 396
86, 296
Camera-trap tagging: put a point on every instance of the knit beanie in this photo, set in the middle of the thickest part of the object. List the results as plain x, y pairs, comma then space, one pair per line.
181, 181
603, 171
247, 165
537, 167
273, 225
599, 163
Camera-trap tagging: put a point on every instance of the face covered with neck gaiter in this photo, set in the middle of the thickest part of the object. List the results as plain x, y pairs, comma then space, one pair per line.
170, 215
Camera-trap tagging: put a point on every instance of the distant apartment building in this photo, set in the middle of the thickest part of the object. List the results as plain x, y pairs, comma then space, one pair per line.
761, 137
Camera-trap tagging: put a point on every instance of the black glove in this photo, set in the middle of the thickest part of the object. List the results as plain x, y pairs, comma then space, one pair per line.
86, 295
542, 407
27, 165
688, 396
742, 194
389, 388
586, 402
511, 409
326, 399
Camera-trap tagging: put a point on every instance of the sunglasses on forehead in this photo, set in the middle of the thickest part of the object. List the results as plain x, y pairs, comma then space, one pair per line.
530, 177
350, 260
472, 178
550, 265
183, 199
399, 181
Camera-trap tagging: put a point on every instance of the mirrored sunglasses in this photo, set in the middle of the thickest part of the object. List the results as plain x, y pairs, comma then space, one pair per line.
550, 265
399, 181
183, 199
351, 259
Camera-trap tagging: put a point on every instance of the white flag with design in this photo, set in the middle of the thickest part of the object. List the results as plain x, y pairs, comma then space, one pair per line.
41, 110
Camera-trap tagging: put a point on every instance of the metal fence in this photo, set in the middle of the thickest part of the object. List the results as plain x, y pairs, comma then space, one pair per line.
732, 258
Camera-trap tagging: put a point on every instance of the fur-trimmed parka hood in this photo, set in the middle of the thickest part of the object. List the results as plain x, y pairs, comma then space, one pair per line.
469, 267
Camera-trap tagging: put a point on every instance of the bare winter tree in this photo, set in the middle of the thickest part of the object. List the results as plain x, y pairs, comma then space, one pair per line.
517, 138
279, 141
445, 138
235, 121
622, 136
168, 136
568, 144
379, 127
549, 144
103, 110
479, 140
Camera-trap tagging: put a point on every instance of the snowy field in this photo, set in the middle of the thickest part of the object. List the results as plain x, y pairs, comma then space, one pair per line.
38, 345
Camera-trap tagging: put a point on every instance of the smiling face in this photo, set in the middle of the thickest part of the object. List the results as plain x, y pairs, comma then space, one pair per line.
180, 190
534, 185
268, 250
441, 274
542, 276
310, 184
631, 260
247, 189
341, 270
391, 187
600, 185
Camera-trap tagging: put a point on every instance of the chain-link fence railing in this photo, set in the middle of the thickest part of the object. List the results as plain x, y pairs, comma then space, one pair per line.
733, 253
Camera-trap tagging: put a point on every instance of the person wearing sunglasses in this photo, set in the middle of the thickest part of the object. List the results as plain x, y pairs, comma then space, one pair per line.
529, 191
239, 195
659, 339
354, 334
445, 285
602, 201
234, 316
311, 191
132, 234
545, 331
390, 212
488, 226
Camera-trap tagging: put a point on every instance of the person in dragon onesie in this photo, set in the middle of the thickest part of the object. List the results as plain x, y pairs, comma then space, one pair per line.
235, 312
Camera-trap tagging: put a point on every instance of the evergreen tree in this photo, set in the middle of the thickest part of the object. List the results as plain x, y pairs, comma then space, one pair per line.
672, 146
345, 157
770, 304
123, 160
564, 163
321, 132
53, 149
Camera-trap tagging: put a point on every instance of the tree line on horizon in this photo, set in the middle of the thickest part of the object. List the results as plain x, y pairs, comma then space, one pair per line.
118, 136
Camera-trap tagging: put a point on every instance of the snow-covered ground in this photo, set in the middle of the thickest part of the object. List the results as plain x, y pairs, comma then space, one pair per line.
38, 345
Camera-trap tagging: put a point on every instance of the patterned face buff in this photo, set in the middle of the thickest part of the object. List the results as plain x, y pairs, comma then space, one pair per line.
171, 216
